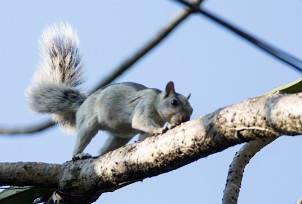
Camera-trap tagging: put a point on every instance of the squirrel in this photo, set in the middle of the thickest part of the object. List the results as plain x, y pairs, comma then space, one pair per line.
121, 109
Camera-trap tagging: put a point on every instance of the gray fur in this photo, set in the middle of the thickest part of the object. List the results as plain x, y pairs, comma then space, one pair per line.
123, 110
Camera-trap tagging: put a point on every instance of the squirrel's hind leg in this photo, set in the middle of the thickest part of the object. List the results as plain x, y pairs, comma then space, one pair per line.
83, 139
113, 142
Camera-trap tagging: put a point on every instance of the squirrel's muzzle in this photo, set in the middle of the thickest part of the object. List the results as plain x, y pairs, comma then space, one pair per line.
185, 119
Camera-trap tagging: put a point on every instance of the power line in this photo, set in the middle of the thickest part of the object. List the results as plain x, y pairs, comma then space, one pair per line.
283, 56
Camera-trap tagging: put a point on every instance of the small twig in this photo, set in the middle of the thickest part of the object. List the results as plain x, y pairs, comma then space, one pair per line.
236, 169
28, 129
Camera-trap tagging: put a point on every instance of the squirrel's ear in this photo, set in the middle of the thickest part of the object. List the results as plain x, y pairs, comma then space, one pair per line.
169, 88
188, 97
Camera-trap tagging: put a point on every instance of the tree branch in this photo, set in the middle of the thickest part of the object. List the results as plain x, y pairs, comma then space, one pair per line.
40, 174
265, 117
119, 70
27, 130
236, 169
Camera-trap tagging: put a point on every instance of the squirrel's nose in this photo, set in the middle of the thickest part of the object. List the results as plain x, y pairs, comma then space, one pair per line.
185, 118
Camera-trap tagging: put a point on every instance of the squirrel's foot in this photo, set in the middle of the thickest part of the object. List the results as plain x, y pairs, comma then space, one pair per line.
81, 156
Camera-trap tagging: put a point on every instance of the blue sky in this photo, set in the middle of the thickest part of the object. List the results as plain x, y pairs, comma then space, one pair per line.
204, 59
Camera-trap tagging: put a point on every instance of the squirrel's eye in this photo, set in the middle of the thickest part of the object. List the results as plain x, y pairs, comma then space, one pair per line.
174, 102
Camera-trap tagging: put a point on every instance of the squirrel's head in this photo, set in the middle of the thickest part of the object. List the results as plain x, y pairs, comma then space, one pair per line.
174, 108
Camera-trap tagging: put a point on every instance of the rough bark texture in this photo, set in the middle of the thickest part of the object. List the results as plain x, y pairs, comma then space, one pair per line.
236, 169
33, 173
265, 117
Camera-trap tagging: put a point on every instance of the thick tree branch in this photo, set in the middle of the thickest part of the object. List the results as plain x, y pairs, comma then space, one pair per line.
119, 70
236, 169
41, 174
265, 117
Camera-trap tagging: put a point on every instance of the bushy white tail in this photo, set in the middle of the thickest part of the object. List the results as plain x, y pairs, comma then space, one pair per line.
54, 85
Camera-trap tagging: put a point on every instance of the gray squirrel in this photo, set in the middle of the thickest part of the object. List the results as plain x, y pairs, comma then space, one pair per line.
122, 109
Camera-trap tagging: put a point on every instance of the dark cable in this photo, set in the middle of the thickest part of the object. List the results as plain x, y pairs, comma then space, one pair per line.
285, 57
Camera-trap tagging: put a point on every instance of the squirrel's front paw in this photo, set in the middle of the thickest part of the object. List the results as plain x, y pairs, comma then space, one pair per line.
81, 156
167, 127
